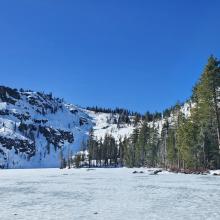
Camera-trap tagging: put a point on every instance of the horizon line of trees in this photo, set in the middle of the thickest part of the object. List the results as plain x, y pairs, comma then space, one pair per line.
147, 116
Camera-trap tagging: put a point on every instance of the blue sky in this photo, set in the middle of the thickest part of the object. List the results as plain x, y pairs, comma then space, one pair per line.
141, 55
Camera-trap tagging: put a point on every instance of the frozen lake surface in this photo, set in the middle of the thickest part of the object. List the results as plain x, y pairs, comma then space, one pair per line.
111, 194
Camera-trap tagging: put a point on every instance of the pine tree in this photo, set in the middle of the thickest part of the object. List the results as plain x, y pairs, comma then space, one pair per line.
122, 150
142, 145
206, 112
206, 94
172, 150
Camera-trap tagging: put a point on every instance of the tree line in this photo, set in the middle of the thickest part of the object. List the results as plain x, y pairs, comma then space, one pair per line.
125, 113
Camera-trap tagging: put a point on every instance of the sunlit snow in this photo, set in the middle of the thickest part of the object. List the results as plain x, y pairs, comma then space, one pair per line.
112, 194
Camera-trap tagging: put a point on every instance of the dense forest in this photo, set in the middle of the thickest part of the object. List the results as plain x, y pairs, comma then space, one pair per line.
188, 142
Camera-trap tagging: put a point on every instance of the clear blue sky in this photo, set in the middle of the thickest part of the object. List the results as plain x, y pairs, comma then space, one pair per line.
141, 55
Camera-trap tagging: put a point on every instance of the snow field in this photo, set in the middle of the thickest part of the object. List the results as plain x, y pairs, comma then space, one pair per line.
111, 194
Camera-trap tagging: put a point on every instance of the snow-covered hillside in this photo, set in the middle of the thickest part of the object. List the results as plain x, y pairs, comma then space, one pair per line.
105, 123
36, 128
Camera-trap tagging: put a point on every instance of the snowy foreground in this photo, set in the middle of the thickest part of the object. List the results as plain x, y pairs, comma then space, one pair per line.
107, 194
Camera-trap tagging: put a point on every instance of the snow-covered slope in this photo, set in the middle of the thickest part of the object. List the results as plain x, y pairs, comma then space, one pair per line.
36, 128
106, 123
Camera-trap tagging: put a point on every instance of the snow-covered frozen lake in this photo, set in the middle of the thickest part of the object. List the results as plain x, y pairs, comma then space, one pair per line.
111, 194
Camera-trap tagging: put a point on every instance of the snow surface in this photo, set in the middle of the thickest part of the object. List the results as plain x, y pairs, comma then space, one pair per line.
112, 194
217, 172
103, 125
62, 119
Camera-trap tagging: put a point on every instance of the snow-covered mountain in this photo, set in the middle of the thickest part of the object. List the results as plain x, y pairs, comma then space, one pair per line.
36, 128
